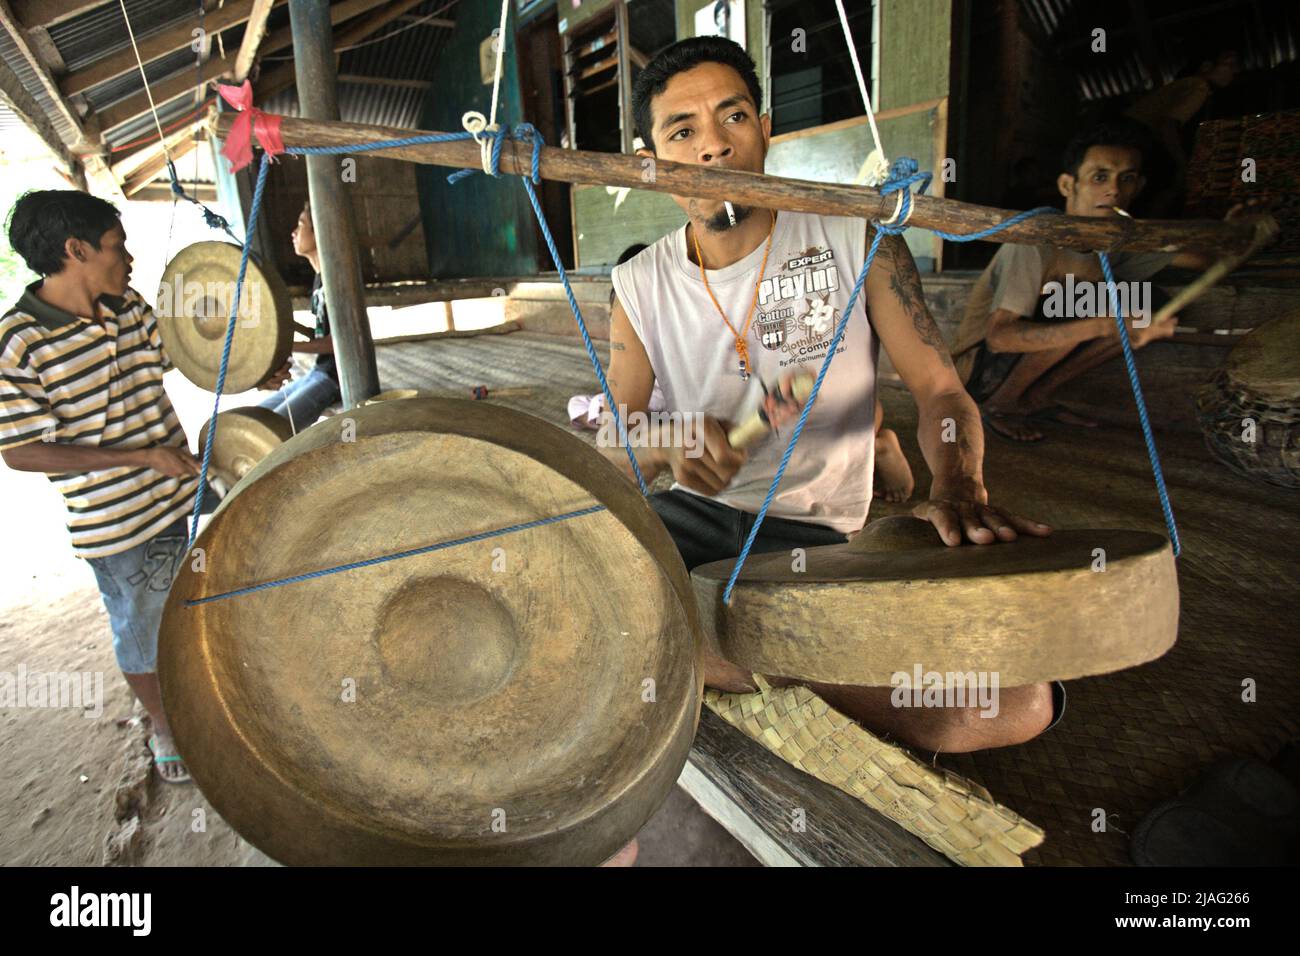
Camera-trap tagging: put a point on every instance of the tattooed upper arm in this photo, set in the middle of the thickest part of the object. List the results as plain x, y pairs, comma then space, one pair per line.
897, 292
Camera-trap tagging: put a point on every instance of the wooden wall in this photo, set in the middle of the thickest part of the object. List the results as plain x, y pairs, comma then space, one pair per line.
480, 226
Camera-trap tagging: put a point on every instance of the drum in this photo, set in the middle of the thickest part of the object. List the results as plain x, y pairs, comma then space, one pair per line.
896, 598
1250, 410
195, 297
244, 437
526, 697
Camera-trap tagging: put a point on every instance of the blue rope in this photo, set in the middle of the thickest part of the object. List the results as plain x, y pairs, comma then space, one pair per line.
903, 174
1147, 435
394, 557
225, 349
521, 131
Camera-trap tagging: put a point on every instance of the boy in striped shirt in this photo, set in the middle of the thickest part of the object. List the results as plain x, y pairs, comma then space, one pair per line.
82, 400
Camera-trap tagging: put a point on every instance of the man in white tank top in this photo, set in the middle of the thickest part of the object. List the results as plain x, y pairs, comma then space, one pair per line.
759, 292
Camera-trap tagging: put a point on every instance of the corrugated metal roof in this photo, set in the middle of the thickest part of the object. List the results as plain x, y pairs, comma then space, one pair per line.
81, 40
16, 62
404, 49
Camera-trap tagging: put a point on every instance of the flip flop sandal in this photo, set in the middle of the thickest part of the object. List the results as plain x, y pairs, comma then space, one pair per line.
1240, 812
988, 417
169, 758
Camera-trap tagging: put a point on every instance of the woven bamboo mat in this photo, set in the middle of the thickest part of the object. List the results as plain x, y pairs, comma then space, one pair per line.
955, 816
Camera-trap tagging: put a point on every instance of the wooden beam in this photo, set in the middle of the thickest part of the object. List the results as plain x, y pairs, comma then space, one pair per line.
163, 91
16, 97
380, 18
754, 794
383, 81
283, 37
160, 44
831, 199
42, 13
253, 35
9, 22
141, 177
282, 77
128, 164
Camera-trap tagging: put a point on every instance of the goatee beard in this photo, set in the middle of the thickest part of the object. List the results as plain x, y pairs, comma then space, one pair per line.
721, 222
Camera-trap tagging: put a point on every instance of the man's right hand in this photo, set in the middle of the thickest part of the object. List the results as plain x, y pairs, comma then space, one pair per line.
1139, 336
705, 461
171, 461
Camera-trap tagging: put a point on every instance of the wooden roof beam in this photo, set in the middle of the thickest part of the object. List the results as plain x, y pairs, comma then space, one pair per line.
10, 23
283, 77
168, 41
253, 36
16, 97
43, 13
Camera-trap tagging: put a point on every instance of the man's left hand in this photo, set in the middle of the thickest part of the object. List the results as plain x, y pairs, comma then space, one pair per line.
969, 515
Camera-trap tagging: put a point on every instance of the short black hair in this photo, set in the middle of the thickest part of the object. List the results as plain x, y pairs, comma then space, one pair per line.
681, 56
1126, 133
43, 220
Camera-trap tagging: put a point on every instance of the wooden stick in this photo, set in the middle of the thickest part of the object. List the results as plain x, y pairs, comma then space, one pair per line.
1266, 229
1110, 234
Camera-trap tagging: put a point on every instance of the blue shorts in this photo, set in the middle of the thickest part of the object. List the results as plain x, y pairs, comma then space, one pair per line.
134, 585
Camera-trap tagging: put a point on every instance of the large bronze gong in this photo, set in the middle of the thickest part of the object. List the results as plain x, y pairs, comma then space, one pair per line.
528, 698
1069, 605
195, 296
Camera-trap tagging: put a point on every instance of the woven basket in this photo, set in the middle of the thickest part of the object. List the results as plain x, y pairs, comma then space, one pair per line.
952, 814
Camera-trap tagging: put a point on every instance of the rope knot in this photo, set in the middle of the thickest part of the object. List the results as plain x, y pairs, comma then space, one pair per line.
902, 174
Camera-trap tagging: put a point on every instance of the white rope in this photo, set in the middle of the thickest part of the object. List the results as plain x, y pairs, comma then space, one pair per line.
145, 79
474, 121
501, 50
876, 169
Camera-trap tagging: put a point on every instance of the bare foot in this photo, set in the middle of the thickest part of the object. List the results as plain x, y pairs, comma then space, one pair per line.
625, 856
893, 480
1011, 425
166, 760
1053, 412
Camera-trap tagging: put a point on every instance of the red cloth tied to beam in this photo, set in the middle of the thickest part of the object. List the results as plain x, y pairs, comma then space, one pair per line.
250, 121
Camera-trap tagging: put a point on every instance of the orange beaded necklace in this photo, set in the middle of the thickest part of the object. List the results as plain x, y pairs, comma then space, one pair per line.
742, 347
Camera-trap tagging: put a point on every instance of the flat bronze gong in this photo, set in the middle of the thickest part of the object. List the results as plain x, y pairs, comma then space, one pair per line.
244, 437
195, 296
1069, 605
527, 698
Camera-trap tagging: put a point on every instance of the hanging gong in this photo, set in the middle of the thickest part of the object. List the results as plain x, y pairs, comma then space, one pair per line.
1069, 605
528, 698
195, 296
244, 437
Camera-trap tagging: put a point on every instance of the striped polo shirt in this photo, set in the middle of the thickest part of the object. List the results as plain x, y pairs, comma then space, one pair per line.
78, 381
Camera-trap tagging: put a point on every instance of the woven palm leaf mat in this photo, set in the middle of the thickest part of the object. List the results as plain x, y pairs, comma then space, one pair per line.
1128, 740
955, 816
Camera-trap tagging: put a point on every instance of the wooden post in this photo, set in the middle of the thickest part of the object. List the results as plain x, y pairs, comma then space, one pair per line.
1086, 234
331, 209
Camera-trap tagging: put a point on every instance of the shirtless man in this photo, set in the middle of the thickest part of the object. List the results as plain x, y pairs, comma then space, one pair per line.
779, 282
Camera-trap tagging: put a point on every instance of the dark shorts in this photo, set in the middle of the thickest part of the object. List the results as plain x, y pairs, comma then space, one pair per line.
705, 530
